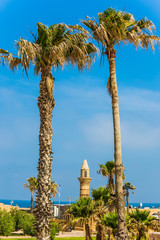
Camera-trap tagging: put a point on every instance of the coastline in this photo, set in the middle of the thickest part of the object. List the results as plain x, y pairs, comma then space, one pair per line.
25, 205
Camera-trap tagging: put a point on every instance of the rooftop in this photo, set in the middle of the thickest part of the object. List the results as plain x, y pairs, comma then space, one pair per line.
85, 165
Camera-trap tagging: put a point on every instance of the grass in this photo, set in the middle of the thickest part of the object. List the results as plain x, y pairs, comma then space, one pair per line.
67, 238
17, 238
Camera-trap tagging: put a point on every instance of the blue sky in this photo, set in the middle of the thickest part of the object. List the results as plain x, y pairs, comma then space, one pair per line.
82, 118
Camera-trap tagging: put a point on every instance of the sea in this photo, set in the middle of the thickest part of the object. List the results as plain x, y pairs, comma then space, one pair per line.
26, 203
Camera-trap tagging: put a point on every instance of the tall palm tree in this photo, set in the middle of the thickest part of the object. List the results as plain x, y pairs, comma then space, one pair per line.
113, 28
32, 185
108, 170
54, 47
128, 186
82, 211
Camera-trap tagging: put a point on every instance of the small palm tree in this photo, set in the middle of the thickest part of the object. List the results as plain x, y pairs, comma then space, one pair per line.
54, 47
82, 211
105, 195
108, 170
32, 185
114, 28
110, 220
99, 211
128, 186
139, 222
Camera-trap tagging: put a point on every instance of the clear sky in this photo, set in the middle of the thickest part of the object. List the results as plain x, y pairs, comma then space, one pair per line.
82, 118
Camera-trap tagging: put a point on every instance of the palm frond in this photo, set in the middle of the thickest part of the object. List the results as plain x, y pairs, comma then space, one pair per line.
115, 27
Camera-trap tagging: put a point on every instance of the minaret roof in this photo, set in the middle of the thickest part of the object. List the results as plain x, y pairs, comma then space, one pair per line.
85, 165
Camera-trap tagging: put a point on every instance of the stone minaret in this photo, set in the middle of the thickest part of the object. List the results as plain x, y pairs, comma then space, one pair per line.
84, 180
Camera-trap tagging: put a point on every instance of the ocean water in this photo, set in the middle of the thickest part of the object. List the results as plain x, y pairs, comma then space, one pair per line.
26, 203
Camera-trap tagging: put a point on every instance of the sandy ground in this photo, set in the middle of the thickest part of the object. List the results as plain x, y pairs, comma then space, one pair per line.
73, 233
6, 207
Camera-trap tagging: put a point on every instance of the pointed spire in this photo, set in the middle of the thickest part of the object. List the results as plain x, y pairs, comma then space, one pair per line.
85, 165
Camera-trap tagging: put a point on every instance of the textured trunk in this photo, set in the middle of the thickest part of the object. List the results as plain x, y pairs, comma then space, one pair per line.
100, 232
139, 237
87, 232
31, 202
127, 198
120, 202
43, 202
109, 234
111, 183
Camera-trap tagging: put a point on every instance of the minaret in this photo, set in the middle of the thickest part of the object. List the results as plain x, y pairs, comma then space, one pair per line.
84, 180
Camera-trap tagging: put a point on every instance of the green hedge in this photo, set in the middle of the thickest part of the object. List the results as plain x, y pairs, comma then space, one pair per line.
7, 223
16, 220
27, 223
54, 230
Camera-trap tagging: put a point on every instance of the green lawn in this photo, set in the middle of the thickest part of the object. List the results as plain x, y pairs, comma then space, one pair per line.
17, 238
67, 238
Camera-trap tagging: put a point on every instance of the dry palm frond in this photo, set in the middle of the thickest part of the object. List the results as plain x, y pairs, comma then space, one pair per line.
114, 27
55, 46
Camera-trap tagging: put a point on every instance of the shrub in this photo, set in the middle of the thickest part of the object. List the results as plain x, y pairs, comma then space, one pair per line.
17, 216
7, 224
54, 230
27, 223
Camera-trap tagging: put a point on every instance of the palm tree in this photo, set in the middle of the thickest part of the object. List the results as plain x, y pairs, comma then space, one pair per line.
108, 170
54, 47
115, 27
82, 211
139, 223
128, 186
99, 211
110, 220
105, 195
32, 185
54, 185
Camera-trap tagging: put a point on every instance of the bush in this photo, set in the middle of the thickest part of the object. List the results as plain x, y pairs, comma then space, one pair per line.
27, 223
54, 230
7, 224
17, 216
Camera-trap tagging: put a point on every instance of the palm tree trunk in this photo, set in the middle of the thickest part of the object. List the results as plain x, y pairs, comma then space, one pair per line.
111, 183
109, 234
31, 202
43, 202
87, 231
120, 202
127, 196
100, 232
